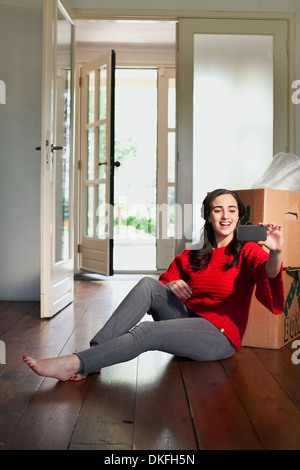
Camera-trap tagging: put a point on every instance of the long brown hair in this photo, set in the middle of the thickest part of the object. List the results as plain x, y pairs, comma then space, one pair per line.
200, 258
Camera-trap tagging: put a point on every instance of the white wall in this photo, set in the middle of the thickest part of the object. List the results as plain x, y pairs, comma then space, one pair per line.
20, 133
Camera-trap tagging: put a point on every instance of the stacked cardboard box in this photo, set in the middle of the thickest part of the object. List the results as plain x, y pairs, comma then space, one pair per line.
264, 329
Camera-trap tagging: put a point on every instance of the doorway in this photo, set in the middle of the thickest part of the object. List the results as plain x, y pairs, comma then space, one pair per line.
144, 51
135, 180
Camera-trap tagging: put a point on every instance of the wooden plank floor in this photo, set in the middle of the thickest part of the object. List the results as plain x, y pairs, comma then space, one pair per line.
155, 402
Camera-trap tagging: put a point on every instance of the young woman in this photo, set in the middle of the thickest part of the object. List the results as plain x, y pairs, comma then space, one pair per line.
200, 305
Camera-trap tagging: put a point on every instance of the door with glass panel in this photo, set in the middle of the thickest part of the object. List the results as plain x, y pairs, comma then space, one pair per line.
233, 104
57, 158
97, 157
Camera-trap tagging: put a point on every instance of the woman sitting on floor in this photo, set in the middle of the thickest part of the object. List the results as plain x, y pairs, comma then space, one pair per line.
200, 305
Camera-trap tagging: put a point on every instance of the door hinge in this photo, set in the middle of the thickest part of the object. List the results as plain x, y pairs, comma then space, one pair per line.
79, 164
80, 82
78, 248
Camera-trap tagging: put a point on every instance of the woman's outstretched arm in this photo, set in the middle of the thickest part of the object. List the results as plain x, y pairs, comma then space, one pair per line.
274, 243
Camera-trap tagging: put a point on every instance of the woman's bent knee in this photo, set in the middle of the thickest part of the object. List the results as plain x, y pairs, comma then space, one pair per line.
149, 282
150, 285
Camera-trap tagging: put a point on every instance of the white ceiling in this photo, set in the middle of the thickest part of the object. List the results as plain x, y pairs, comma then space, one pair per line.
126, 32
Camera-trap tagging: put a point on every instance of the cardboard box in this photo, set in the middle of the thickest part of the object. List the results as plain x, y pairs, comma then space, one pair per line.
281, 207
266, 330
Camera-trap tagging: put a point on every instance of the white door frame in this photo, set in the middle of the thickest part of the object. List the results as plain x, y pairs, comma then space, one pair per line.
56, 277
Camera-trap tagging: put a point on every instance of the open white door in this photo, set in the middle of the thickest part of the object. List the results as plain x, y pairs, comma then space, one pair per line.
97, 165
57, 158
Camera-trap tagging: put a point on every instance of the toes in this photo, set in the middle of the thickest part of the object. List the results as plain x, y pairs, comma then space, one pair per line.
30, 362
27, 359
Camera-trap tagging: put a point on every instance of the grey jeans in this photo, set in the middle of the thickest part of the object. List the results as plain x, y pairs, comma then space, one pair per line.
175, 330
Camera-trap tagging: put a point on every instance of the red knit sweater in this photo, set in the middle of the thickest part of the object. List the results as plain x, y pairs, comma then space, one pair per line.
223, 296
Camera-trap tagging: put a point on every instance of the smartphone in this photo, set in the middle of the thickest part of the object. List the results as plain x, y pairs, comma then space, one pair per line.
251, 233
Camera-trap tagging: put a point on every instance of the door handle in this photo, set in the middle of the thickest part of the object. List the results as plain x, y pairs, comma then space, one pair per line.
53, 148
117, 164
56, 147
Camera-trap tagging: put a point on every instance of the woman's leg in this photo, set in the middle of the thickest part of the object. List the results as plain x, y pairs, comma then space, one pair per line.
194, 338
149, 295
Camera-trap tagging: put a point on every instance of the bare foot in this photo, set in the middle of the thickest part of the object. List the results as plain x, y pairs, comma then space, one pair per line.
61, 368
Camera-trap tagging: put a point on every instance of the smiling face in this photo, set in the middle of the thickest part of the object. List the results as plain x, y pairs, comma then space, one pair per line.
224, 216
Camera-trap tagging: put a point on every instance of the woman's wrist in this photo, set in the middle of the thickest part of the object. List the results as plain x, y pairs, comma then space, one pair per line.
273, 264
